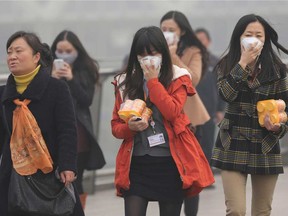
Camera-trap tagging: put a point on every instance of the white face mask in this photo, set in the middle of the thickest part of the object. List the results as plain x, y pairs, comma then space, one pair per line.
247, 42
170, 37
151, 60
67, 57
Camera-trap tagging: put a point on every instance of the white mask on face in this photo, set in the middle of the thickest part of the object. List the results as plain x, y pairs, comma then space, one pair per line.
170, 37
247, 42
151, 60
67, 57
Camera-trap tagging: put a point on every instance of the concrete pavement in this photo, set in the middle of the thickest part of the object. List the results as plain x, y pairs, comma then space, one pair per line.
104, 202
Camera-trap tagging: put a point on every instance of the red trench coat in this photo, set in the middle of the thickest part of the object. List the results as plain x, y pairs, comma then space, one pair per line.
190, 160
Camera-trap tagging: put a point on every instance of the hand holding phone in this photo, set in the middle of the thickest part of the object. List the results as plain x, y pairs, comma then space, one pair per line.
137, 124
59, 64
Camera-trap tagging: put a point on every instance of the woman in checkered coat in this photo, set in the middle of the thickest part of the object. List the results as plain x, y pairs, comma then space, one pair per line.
248, 73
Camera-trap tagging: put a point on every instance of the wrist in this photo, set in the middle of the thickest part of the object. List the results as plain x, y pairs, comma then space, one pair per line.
242, 64
279, 130
69, 78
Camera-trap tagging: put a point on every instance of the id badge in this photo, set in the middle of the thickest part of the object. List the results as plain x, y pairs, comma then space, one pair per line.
156, 139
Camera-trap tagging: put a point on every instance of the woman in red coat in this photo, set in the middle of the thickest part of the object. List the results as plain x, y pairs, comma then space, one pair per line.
159, 158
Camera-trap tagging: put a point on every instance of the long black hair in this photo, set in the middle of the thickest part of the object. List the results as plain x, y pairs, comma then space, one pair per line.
268, 57
189, 37
83, 61
46, 59
146, 39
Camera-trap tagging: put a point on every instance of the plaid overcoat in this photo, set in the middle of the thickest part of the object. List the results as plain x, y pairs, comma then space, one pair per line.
242, 144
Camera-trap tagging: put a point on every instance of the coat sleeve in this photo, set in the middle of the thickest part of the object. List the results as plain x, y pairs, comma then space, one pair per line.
282, 93
120, 128
230, 85
192, 61
2, 131
65, 123
83, 93
170, 104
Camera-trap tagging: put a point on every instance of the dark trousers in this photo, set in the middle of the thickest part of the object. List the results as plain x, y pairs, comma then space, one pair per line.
81, 164
206, 138
191, 205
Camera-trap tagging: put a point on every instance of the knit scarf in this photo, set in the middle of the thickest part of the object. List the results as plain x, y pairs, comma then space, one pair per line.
28, 148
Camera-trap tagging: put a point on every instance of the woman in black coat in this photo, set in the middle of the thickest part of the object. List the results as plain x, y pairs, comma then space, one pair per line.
30, 62
80, 72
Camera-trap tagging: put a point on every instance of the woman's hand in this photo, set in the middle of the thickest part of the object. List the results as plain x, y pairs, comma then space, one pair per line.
65, 72
55, 73
137, 125
218, 117
250, 55
67, 177
173, 47
149, 72
270, 126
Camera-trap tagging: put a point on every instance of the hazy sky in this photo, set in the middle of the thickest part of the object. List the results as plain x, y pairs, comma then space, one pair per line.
106, 28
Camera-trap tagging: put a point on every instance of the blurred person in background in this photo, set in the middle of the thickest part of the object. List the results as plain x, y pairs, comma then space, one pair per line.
148, 164
208, 92
81, 73
187, 52
249, 72
31, 87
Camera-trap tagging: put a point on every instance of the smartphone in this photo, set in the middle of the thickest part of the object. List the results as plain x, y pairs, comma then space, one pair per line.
58, 63
138, 119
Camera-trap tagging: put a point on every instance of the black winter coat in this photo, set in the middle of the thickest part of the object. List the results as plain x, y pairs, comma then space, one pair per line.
51, 104
82, 88
208, 91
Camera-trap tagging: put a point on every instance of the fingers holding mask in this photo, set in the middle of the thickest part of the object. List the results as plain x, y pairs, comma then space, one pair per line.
251, 48
256, 50
149, 72
151, 66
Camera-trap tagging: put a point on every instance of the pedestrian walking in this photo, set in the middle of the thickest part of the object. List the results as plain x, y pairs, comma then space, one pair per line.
48, 143
250, 71
187, 52
81, 73
159, 159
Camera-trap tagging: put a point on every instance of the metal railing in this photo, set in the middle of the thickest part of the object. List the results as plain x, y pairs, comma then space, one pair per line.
101, 114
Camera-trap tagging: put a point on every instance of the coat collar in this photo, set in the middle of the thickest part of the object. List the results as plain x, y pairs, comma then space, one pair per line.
34, 90
262, 78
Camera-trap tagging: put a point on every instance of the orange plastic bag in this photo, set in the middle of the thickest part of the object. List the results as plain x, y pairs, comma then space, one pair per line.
274, 108
28, 148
